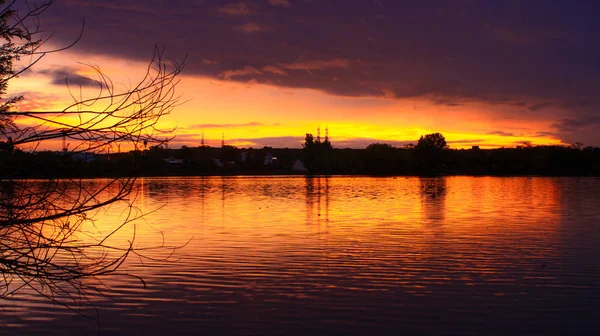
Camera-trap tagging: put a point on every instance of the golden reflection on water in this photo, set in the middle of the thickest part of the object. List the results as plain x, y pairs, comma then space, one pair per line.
456, 215
274, 239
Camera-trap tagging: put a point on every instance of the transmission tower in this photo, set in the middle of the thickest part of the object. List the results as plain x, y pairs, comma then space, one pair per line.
318, 133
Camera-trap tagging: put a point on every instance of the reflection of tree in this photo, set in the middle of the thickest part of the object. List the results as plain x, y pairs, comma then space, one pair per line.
433, 199
316, 189
310, 187
41, 222
39, 232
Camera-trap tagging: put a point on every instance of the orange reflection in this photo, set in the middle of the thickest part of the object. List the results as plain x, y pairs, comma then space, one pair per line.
427, 230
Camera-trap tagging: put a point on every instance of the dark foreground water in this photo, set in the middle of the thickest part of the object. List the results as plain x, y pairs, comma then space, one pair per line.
347, 255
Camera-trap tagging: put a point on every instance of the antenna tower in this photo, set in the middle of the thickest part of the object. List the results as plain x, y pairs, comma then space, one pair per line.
326, 133
318, 133
202, 141
222, 140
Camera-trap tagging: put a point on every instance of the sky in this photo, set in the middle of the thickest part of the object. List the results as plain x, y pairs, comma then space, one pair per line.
266, 72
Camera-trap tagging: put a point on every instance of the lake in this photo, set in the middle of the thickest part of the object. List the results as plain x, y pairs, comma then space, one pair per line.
345, 255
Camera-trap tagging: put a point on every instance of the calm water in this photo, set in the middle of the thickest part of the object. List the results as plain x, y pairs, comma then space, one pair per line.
347, 255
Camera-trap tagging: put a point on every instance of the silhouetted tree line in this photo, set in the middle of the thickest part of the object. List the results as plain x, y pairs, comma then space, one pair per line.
430, 156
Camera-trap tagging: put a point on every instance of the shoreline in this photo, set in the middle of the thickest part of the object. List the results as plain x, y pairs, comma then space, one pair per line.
300, 175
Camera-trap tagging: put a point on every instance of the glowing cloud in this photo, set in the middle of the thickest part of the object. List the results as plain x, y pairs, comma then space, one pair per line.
317, 64
248, 28
240, 72
238, 9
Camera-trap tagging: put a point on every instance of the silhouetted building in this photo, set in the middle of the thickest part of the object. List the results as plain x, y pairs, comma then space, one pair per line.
269, 158
299, 166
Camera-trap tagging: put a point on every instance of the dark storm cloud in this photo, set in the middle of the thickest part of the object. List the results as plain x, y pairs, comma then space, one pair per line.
66, 75
568, 125
546, 134
282, 3
537, 54
447, 102
579, 104
537, 107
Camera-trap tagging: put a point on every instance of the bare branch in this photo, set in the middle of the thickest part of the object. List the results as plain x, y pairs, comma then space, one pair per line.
45, 242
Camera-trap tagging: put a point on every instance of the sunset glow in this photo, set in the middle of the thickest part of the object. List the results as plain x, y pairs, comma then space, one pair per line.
256, 115
256, 82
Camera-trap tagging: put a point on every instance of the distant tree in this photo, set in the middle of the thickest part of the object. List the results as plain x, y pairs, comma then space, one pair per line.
433, 141
381, 159
429, 150
380, 147
229, 153
310, 152
188, 154
309, 141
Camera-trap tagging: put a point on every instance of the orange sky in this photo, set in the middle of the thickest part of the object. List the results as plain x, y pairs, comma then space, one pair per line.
265, 73
252, 115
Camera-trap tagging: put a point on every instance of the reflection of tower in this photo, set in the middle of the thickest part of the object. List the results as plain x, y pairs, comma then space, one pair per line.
222, 200
319, 201
222, 140
326, 198
314, 194
202, 197
318, 133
